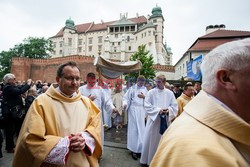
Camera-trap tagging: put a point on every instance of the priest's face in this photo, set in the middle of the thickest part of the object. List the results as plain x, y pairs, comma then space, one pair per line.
70, 80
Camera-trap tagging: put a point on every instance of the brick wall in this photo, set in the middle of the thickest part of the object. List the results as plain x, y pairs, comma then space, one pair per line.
45, 69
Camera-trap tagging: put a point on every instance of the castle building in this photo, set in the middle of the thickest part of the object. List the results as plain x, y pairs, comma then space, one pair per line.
115, 40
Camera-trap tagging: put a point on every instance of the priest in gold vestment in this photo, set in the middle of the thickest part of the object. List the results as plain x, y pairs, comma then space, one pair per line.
185, 97
61, 128
214, 128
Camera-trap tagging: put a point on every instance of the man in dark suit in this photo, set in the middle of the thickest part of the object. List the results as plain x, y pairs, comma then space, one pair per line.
11, 100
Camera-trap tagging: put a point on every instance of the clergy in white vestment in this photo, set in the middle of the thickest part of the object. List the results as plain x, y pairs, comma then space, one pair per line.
93, 91
107, 111
158, 102
133, 100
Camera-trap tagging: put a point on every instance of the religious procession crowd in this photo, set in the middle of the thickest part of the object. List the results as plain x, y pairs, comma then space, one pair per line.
63, 124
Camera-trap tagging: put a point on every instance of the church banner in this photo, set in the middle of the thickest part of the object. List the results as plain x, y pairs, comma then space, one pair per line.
193, 69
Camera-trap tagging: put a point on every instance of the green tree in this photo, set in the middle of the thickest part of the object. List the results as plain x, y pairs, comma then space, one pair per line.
147, 63
5, 62
32, 47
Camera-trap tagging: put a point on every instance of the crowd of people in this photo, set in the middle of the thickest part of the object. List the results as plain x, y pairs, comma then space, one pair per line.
167, 125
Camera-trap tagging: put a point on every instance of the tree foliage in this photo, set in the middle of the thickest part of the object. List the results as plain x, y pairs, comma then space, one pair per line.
147, 63
32, 47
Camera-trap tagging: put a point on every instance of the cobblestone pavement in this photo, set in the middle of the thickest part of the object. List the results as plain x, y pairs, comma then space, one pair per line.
115, 153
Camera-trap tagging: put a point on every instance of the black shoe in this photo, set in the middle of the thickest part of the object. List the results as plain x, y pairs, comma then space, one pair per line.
138, 155
134, 156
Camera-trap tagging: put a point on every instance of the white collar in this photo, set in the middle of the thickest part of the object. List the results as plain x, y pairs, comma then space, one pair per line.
59, 90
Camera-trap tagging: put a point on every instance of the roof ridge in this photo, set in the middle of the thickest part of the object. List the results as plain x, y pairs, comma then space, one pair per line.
112, 21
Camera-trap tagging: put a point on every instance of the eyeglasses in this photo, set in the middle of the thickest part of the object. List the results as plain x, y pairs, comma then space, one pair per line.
77, 79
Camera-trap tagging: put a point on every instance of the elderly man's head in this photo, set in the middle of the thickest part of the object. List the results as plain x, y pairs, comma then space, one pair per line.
225, 74
9, 79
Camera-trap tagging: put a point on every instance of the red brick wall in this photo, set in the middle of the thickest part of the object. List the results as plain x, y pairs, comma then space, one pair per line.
45, 69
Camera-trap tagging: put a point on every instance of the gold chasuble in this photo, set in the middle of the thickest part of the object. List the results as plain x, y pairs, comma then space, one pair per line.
182, 102
51, 117
205, 135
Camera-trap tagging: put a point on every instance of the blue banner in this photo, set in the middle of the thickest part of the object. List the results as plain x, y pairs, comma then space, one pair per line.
193, 69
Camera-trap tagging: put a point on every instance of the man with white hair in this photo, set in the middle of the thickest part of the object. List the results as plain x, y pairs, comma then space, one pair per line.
11, 109
214, 128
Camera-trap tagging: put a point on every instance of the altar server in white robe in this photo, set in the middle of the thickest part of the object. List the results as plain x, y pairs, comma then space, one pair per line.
107, 111
98, 96
133, 100
158, 102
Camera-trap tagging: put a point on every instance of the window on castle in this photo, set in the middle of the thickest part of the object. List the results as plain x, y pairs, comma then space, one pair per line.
128, 38
116, 29
90, 48
90, 40
100, 39
61, 43
132, 28
60, 52
126, 28
116, 35
149, 33
119, 43
54, 44
111, 29
129, 48
114, 49
155, 20
121, 29
70, 41
79, 49
99, 47
79, 41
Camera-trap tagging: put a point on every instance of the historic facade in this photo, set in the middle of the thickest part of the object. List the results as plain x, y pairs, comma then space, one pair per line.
116, 40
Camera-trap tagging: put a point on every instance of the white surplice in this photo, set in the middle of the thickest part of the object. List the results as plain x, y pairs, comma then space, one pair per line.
107, 109
136, 117
156, 100
103, 102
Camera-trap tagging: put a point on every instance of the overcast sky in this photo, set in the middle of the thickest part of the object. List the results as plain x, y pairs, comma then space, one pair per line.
185, 20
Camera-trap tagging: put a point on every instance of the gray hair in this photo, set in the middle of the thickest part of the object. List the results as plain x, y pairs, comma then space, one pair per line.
7, 77
232, 56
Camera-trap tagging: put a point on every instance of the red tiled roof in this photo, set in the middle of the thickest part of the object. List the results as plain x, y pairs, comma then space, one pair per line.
209, 44
100, 26
216, 38
83, 27
227, 33
139, 20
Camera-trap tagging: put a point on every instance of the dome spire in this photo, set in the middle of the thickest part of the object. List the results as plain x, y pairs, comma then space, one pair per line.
70, 23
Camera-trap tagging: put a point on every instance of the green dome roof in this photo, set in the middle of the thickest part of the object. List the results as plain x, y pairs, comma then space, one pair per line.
157, 11
70, 23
